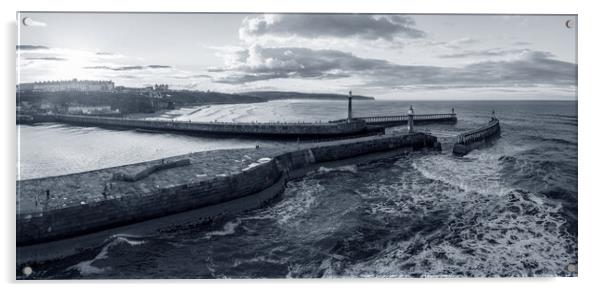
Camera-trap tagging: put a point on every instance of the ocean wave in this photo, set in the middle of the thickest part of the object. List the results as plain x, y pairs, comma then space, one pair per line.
86, 268
228, 229
511, 235
345, 168
482, 171
572, 117
270, 259
299, 203
551, 139
533, 172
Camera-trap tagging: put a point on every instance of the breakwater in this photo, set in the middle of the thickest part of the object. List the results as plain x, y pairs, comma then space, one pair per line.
398, 120
235, 129
473, 139
177, 189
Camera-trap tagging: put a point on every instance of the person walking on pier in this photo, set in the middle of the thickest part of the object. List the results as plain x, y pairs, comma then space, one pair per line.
105, 191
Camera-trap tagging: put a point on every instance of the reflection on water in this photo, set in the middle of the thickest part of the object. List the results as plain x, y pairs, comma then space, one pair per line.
52, 149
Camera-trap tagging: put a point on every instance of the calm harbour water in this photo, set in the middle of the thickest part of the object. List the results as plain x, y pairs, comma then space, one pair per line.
506, 210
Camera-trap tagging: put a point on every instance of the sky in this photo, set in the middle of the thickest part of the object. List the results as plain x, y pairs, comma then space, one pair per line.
393, 56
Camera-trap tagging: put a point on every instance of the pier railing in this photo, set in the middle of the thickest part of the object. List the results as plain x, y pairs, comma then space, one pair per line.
490, 130
175, 122
402, 118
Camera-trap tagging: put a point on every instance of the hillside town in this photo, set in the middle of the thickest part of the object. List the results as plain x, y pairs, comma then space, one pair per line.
90, 97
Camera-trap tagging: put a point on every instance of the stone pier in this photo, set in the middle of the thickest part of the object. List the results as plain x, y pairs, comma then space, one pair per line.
279, 130
476, 138
61, 207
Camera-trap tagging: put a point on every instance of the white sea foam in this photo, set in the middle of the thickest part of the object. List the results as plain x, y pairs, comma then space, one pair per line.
346, 168
260, 259
229, 228
88, 268
518, 237
288, 211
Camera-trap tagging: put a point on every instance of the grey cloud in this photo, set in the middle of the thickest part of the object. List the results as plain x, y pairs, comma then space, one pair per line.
123, 68
192, 76
461, 42
31, 47
158, 66
46, 59
105, 54
127, 76
259, 63
495, 52
369, 27
532, 69
127, 68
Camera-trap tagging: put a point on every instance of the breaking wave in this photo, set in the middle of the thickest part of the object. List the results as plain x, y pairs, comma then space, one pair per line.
86, 268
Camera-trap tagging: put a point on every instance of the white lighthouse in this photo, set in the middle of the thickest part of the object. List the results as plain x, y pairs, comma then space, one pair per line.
411, 120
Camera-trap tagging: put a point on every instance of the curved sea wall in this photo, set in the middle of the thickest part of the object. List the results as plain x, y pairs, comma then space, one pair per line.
76, 220
476, 138
295, 130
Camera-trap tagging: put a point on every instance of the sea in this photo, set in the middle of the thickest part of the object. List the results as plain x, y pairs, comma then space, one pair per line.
505, 210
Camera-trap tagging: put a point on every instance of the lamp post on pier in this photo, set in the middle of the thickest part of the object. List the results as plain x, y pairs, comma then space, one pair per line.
349, 109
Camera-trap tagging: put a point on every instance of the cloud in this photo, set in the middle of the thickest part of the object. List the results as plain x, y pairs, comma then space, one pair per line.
28, 21
46, 59
191, 76
533, 68
495, 52
31, 47
128, 68
127, 76
367, 27
258, 63
123, 68
158, 66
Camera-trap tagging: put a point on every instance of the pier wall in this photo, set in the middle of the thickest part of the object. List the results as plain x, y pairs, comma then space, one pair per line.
217, 128
476, 138
95, 216
83, 219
